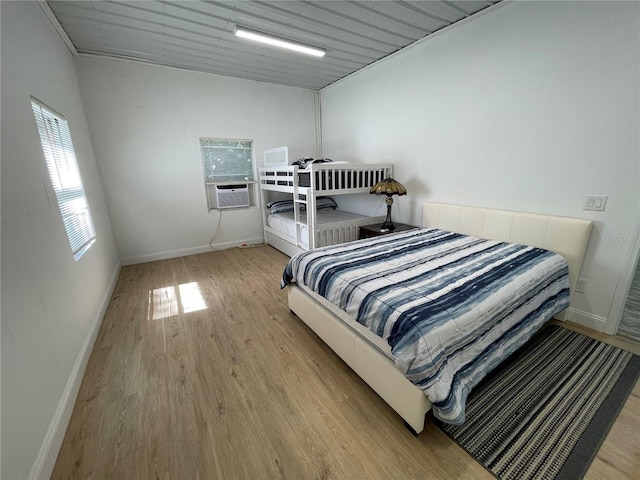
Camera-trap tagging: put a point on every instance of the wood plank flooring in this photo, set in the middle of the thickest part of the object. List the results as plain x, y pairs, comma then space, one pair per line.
200, 371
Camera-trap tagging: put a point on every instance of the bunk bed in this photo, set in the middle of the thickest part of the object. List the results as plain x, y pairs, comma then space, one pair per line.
412, 368
299, 211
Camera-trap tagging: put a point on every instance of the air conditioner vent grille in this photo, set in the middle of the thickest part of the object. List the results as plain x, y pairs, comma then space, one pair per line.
232, 196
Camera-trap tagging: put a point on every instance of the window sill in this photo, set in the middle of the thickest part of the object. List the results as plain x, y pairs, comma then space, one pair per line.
240, 182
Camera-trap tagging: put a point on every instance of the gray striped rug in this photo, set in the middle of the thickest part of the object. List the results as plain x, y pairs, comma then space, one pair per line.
546, 411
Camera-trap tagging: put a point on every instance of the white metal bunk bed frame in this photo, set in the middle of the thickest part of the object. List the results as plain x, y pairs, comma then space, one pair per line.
322, 179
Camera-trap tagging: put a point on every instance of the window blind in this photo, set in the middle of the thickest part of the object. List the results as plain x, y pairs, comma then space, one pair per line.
65, 177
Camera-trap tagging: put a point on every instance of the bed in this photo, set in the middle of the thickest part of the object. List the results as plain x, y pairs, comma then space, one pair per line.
285, 224
408, 369
306, 226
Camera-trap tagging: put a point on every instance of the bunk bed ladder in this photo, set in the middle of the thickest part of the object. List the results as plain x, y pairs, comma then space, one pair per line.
309, 204
311, 217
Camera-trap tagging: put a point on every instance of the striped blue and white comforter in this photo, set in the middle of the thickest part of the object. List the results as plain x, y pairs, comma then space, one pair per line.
451, 306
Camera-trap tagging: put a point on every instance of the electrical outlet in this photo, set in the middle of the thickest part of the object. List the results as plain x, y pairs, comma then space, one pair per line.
580, 284
595, 202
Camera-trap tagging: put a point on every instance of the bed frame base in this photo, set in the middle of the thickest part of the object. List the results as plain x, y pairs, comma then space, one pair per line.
410, 428
375, 368
285, 246
325, 235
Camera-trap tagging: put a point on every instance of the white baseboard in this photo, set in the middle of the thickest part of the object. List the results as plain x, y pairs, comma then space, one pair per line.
48, 454
586, 319
183, 252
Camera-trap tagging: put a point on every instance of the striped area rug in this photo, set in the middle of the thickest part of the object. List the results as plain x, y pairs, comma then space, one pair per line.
546, 411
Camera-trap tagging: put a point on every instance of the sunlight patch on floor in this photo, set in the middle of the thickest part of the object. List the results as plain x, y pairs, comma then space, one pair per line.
173, 300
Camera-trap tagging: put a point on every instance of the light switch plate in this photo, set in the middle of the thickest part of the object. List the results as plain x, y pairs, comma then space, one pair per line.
595, 202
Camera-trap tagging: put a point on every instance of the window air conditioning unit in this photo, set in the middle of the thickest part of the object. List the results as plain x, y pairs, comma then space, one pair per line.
232, 196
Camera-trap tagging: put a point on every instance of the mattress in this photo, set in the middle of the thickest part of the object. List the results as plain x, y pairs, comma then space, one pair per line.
285, 224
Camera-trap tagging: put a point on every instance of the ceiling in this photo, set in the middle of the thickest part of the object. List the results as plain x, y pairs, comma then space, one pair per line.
198, 35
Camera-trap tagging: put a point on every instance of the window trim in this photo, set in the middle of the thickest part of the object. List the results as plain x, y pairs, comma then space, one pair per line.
210, 185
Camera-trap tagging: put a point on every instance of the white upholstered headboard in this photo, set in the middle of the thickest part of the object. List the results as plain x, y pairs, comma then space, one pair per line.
563, 235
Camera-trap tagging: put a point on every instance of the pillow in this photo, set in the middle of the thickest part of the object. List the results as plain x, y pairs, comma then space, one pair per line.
284, 206
271, 204
280, 207
325, 202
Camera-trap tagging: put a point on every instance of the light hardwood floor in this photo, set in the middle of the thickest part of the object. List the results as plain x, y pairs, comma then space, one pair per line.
200, 371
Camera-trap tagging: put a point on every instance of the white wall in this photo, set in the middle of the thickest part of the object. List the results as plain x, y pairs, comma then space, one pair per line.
51, 305
146, 121
529, 108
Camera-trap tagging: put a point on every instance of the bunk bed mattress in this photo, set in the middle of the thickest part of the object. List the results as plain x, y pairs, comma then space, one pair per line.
284, 222
451, 307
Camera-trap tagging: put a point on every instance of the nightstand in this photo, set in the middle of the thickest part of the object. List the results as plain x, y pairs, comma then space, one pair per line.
368, 231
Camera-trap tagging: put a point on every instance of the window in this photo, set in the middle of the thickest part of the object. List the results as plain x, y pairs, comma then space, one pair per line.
65, 177
227, 160
228, 172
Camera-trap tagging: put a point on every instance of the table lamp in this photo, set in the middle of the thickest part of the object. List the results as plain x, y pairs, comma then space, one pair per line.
388, 187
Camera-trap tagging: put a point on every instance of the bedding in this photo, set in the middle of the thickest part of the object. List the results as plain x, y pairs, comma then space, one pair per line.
450, 306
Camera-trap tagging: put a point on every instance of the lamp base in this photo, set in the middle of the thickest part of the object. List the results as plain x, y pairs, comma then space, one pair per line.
388, 225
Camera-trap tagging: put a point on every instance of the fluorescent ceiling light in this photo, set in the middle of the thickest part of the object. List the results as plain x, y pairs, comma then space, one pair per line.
277, 42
